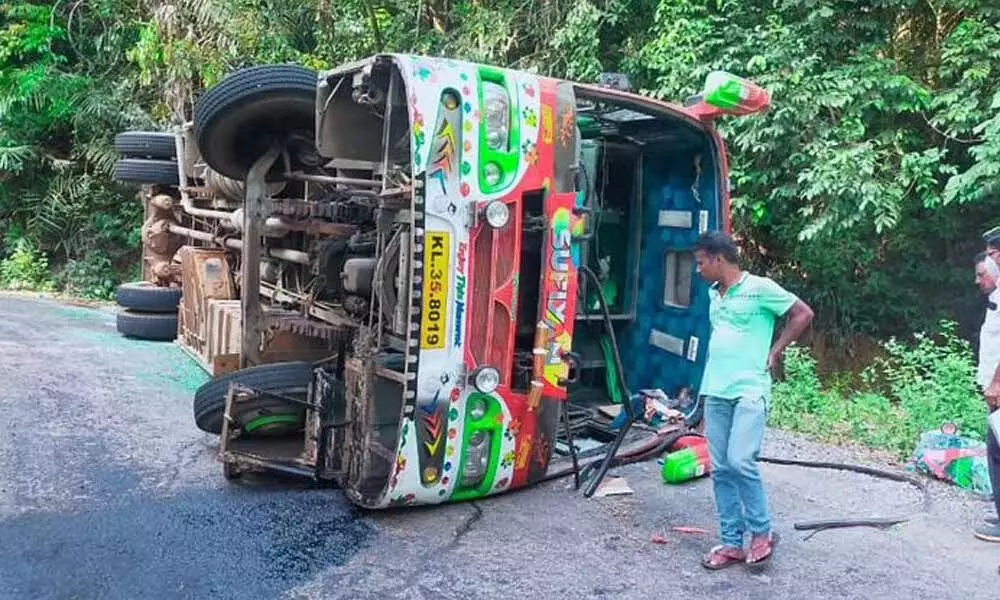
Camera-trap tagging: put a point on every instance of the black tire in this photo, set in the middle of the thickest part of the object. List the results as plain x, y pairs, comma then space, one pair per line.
146, 144
291, 379
236, 121
158, 327
140, 170
144, 296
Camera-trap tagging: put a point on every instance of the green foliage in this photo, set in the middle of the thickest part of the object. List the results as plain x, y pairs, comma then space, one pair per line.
885, 116
25, 269
914, 387
65, 91
93, 277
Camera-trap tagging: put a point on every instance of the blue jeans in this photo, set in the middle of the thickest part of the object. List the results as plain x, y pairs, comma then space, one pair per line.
735, 432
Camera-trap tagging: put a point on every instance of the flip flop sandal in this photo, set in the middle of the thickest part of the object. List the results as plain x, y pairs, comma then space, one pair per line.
717, 560
775, 538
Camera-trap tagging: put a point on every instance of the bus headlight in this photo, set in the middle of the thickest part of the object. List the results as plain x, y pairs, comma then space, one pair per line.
486, 379
497, 214
496, 102
477, 458
492, 174
477, 408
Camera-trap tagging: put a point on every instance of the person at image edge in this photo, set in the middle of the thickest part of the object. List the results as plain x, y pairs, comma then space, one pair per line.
988, 376
736, 388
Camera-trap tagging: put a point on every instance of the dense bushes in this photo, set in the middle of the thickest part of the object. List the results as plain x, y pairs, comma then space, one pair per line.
915, 387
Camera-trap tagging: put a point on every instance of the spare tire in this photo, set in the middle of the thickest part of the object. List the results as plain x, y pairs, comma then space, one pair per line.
140, 170
148, 297
264, 415
159, 327
236, 121
146, 144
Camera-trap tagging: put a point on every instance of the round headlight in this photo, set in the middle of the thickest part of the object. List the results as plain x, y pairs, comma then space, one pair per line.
492, 174
486, 380
477, 409
495, 138
497, 214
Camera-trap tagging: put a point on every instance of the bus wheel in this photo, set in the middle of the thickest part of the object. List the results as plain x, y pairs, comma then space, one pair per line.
236, 121
159, 327
261, 416
148, 297
146, 144
141, 170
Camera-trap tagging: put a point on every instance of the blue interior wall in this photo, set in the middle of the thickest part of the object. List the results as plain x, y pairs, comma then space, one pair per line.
667, 180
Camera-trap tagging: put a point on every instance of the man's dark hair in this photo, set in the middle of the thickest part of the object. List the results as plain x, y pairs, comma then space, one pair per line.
716, 243
993, 242
980, 258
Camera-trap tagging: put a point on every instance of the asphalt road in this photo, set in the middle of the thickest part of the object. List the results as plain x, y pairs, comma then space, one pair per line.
107, 490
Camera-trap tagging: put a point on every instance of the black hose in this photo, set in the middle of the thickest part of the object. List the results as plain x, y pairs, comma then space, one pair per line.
821, 525
614, 340
620, 437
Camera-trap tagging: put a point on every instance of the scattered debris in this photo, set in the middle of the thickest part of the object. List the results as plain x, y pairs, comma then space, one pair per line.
953, 458
658, 539
614, 486
582, 445
691, 530
610, 410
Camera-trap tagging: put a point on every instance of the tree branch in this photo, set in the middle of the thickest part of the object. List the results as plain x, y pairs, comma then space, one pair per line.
950, 137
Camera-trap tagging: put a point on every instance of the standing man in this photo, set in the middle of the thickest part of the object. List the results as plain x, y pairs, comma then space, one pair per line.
988, 377
737, 390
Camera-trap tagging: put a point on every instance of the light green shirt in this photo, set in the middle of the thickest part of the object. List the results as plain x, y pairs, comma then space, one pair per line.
742, 332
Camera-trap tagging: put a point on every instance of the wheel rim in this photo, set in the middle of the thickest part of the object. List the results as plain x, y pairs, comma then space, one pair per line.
266, 423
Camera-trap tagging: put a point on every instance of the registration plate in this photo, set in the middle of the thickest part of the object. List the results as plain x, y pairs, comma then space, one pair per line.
434, 319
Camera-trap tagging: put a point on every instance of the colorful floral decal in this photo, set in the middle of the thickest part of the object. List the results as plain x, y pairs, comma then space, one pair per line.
530, 150
508, 460
418, 133
514, 429
530, 117
567, 126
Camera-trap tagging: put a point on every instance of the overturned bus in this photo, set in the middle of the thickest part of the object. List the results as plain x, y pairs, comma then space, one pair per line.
396, 271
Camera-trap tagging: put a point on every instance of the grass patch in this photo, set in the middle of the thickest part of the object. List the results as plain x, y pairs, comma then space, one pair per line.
915, 386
